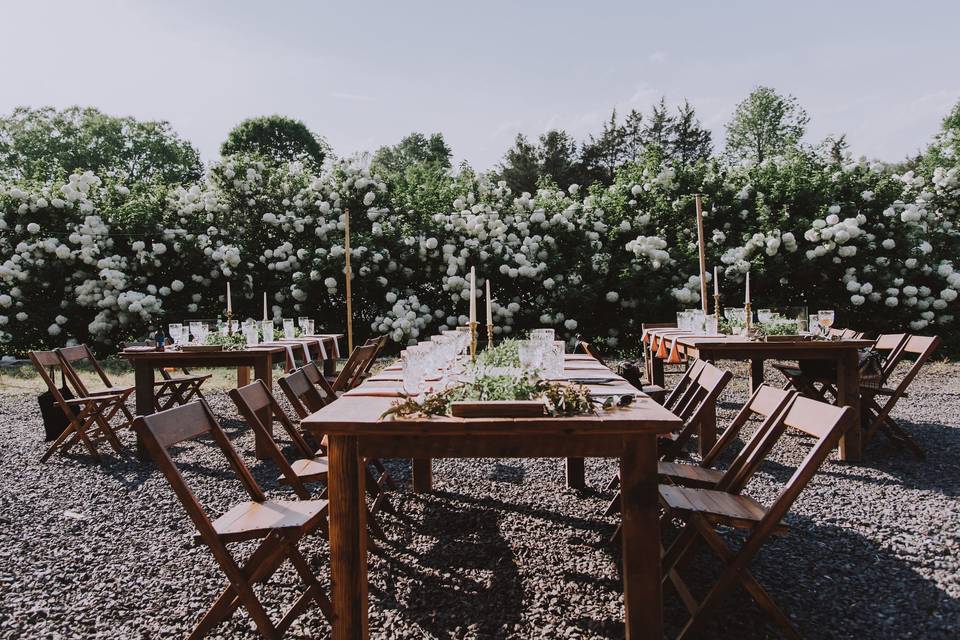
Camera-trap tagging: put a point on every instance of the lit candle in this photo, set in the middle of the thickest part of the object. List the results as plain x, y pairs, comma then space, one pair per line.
265, 306
473, 294
489, 305
747, 299
716, 283
229, 305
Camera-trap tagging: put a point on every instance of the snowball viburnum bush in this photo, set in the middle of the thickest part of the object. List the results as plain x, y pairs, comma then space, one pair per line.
75, 264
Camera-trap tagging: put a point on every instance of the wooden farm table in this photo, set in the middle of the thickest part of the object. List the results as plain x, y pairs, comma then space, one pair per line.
355, 432
144, 363
843, 352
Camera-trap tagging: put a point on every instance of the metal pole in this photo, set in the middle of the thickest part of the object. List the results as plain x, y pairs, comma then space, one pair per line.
703, 256
346, 247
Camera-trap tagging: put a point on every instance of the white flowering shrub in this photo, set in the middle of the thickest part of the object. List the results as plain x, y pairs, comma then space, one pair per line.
95, 259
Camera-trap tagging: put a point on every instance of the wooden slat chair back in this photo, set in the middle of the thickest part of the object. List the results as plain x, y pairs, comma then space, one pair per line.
254, 397
587, 348
352, 372
702, 510
316, 377
72, 356
765, 404
701, 396
879, 403
379, 342
683, 385
279, 525
303, 395
88, 417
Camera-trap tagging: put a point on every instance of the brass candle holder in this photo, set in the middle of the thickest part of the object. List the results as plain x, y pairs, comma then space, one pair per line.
716, 305
229, 322
489, 336
473, 341
747, 317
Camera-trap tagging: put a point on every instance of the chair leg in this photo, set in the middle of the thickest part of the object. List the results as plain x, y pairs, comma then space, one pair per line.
614, 506
614, 482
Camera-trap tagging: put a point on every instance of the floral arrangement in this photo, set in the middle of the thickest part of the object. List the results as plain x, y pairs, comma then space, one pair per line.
506, 354
235, 342
560, 399
105, 258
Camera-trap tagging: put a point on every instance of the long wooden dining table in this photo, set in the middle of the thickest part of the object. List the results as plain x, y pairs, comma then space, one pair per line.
356, 430
668, 345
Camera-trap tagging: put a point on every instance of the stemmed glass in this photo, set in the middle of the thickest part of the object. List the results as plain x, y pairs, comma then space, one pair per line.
530, 354
552, 358
176, 330
414, 370
764, 316
266, 328
302, 323
464, 339
289, 331
825, 318
310, 327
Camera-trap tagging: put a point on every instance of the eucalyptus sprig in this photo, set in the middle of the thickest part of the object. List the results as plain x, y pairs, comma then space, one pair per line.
235, 342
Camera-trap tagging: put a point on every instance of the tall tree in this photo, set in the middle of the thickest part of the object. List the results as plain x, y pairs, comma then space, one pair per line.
45, 143
416, 148
765, 124
275, 138
602, 155
689, 141
659, 127
554, 155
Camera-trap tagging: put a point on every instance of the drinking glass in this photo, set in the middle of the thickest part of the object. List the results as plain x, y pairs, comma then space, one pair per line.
176, 329
289, 332
552, 359
825, 318
251, 334
266, 328
413, 362
542, 334
711, 324
202, 331
696, 321
464, 339
302, 323
195, 331
530, 353
764, 316
310, 327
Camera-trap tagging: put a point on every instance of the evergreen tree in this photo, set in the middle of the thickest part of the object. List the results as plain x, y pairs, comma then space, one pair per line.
765, 124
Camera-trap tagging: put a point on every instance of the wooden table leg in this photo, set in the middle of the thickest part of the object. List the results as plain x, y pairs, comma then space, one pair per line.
422, 475
575, 473
263, 370
647, 363
756, 374
143, 384
330, 364
640, 513
348, 540
656, 370
848, 393
243, 376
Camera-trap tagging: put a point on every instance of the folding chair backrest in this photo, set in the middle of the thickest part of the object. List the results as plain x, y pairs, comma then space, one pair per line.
589, 350
47, 364
253, 398
889, 346
766, 403
159, 431
849, 334
919, 349
353, 369
379, 343
825, 422
316, 378
303, 396
70, 356
683, 385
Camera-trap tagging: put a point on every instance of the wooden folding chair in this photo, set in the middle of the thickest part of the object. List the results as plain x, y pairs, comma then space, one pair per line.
702, 510
878, 410
279, 525
379, 343
316, 378
88, 417
172, 391
888, 345
353, 369
648, 355
766, 403
311, 467
697, 403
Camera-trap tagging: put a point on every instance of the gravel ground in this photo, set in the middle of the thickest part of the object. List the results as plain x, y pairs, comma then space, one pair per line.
501, 549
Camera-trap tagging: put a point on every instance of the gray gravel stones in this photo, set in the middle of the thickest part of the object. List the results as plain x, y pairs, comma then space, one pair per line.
501, 549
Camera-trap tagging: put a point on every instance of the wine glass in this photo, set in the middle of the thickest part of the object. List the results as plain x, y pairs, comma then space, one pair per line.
310, 327
414, 370
464, 339
302, 323
176, 330
825, 318
764, 316
530, 354
195, 331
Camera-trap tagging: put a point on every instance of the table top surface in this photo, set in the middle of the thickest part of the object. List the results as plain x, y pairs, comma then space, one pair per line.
358, 414
739, 343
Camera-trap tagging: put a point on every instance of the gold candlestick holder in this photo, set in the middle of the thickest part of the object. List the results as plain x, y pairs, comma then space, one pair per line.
716, 305
747, 317
489, 336
473, 341
229, 322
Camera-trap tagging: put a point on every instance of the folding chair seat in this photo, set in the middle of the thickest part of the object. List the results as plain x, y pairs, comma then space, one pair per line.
703, 510
89, 418
878, 403
765, 403
696, 404
279, 525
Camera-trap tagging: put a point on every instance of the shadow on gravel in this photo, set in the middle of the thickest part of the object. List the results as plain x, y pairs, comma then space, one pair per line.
467, 579
513, 474
831, 582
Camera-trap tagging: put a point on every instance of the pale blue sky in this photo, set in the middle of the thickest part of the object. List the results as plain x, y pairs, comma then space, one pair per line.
365, 74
